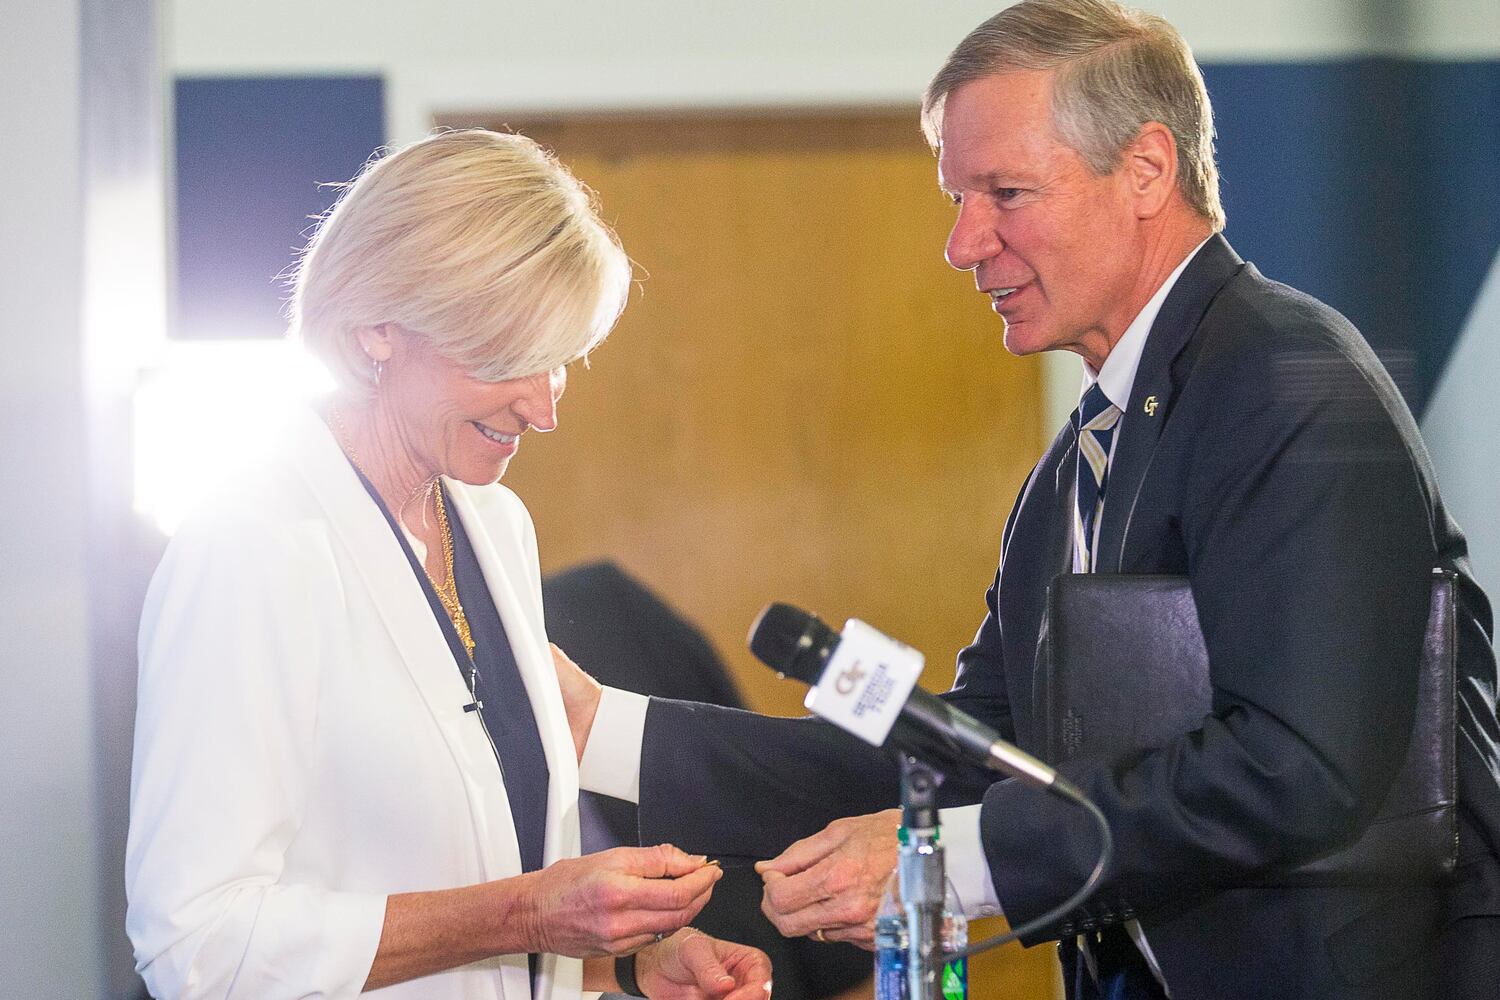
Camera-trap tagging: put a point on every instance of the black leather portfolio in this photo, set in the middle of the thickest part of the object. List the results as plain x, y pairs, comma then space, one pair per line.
1123, 667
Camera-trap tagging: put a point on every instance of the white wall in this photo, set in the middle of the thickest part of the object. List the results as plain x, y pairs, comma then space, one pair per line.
1462, 425
48, 847
456, 54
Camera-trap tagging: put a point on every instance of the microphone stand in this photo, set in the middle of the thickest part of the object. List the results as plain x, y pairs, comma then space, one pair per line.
923, 880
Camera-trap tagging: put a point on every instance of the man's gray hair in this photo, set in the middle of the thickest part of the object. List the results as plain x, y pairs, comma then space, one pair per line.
1117, 69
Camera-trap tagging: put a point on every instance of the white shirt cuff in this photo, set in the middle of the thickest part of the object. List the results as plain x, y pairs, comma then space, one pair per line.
611, 762
967, 867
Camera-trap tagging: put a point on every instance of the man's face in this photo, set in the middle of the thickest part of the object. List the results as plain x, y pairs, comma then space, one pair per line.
1034, 218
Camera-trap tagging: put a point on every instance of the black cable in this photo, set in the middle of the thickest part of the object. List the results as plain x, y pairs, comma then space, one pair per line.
1106, 854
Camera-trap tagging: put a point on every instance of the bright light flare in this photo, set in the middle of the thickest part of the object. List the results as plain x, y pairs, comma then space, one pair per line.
207, 407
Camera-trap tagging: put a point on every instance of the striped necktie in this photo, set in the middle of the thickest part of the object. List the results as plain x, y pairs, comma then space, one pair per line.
1097, 419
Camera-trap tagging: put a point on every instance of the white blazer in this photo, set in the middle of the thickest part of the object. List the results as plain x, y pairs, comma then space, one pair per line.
301, 748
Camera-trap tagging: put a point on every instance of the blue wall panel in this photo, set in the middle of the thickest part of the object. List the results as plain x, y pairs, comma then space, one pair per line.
1373, 184
253, 156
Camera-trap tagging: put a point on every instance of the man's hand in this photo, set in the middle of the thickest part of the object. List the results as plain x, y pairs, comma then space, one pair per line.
832, 881
690, 965
581, 695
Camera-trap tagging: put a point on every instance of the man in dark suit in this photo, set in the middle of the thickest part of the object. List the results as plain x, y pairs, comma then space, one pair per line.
1232, 430
635, 641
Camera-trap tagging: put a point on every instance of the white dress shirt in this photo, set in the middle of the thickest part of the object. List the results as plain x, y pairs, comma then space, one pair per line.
612, 759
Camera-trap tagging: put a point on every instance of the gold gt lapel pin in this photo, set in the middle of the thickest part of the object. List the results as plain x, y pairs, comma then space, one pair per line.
1150, 406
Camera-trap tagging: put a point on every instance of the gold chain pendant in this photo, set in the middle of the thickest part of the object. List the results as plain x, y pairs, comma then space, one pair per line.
448, 593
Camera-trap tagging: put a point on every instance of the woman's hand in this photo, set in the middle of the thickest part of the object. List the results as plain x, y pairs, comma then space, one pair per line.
581, 694
690, 965
616, 901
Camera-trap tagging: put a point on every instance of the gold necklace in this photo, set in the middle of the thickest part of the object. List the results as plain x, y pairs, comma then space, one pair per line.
447, 591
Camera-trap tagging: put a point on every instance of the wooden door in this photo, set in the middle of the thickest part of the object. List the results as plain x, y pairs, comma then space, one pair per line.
802, 403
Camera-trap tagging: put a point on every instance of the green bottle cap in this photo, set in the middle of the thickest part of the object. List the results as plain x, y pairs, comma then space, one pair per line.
903, 838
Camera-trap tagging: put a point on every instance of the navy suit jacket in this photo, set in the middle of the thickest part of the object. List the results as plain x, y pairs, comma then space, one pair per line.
1266, 455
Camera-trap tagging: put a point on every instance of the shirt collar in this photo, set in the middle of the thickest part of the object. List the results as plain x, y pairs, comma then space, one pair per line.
1117, 377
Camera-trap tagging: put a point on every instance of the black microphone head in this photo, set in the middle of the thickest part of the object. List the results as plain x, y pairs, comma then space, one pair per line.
791, 641
776, 633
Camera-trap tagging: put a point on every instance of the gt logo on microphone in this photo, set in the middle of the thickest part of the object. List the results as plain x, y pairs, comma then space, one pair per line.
865, 682
849, 679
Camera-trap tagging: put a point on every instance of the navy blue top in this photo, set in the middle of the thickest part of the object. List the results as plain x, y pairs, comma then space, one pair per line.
505, 708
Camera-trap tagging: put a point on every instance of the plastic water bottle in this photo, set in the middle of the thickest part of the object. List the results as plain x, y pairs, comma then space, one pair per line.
890, 944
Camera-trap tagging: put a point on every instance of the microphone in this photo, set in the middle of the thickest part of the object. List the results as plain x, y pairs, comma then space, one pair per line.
865, 683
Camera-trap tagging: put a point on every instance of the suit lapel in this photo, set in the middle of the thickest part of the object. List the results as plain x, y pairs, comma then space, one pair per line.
414, 631
1151, 397
503, 562
1038, 547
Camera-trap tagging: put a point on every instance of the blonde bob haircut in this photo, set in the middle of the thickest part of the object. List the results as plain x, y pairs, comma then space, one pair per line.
1117, 69
480, 242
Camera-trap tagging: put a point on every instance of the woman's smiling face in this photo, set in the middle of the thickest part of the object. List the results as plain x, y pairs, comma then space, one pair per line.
457, 425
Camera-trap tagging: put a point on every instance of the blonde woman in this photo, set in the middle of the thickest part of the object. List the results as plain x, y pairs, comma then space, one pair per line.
352, 767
